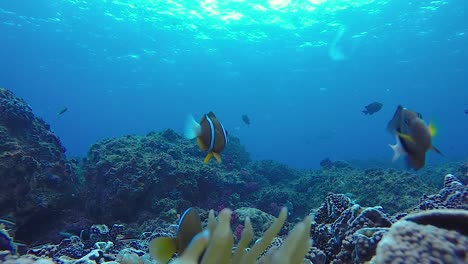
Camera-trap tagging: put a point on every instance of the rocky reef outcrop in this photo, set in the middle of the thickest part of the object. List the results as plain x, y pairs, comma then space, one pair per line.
342, 232
132, 177
36, 179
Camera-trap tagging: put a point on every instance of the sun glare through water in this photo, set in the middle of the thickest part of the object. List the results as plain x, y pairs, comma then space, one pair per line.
231, 19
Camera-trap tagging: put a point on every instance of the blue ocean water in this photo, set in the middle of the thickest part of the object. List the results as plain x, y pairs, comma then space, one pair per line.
301, 70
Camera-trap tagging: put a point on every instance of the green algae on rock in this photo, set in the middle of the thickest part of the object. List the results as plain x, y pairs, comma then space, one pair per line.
129, 175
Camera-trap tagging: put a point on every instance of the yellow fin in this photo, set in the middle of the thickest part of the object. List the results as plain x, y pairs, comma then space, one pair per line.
407, 137
432, 129
208, 157
200, 144
217, 156
162, 248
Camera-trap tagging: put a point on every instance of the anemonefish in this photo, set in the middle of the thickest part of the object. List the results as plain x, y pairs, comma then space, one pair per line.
413, 137
163, 248
210, 133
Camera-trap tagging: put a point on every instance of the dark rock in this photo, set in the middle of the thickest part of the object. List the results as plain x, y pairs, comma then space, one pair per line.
35, 181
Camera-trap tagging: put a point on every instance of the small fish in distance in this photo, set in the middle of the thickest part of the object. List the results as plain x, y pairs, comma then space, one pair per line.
63, 110
246, 119
372, 108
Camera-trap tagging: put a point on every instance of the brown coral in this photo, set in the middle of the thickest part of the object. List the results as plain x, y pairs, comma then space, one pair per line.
421, 238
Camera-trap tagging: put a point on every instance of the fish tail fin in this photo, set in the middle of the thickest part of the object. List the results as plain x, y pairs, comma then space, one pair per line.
162, 248
365, 112
208, 157
217, 157
396, 152
432, 129
397, 149
192, 128
437, 150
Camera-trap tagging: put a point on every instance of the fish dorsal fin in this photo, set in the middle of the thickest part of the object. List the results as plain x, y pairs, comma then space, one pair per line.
162, 248
432, 129
406, 137
208, 157
395, 123
211, 114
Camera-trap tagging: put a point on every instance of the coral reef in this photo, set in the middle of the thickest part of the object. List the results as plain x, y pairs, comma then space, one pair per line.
100, 243
135, 187
260, 220
347, 232
12, 259
277, 185
37, 180
342, 232
332, 208
395, 191
463, 172
138, 175
436, 236
454, 195
133, 178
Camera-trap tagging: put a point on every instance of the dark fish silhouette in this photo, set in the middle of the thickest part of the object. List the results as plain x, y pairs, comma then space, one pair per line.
466, 112
413, 137
210, 133
372, 108
63, 110
246, 119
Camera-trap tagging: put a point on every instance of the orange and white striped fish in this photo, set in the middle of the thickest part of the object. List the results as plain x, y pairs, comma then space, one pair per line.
210, 133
